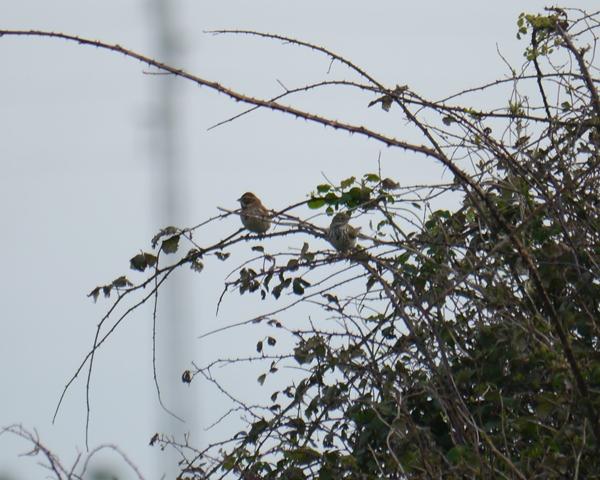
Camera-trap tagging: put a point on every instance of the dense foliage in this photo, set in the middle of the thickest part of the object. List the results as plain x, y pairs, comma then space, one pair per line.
471, 350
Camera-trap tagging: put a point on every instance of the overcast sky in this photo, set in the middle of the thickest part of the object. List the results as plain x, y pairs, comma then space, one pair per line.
81, 186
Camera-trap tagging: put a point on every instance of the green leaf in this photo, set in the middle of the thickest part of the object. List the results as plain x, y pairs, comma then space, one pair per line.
229, 462
389, 332
94, 293
261, 378
276, 292
163, 233
171, 244
292, 265
297, 286
150, 259
279, 288
121, 282
323, 188
315, 203
301, 355
347, 182
259, 347
356, 193
142, 261
303, 455
271, 341
256, 429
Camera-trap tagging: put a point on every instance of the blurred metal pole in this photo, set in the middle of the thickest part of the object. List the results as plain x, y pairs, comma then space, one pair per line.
174, 326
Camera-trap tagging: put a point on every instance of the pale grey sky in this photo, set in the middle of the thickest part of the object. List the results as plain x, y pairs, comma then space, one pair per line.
80, 187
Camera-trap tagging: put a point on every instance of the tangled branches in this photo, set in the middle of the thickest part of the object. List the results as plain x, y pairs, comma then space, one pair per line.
455, 342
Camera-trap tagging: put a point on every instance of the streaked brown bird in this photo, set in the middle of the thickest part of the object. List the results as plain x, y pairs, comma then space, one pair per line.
255, 216
341, 234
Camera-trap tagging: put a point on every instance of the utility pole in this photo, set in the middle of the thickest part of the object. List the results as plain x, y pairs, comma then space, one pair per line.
174, 324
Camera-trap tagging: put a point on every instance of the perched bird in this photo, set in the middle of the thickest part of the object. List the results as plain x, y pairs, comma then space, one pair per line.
341, 234
255, 216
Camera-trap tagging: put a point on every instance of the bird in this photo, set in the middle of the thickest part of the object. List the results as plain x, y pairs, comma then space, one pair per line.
341, 234
254, 215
